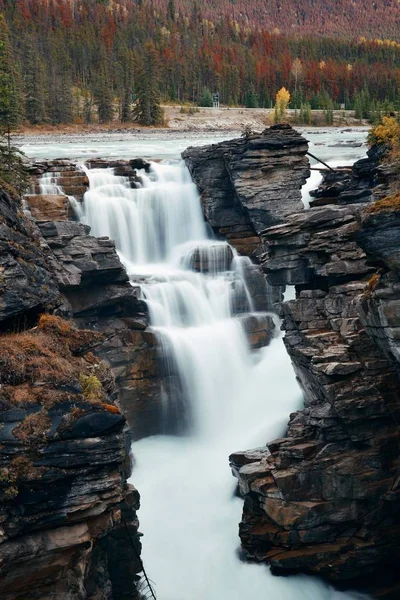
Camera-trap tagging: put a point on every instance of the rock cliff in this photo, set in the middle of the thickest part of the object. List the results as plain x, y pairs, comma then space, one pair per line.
325, 498
250, 183
68, 523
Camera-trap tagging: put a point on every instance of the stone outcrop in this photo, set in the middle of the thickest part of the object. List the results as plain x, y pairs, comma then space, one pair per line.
27, 287
325, 498
250, 183
48, 207
68, 523
65, 174
68, 517
368, 180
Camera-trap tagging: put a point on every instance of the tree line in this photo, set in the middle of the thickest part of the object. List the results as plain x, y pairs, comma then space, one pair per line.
102, 60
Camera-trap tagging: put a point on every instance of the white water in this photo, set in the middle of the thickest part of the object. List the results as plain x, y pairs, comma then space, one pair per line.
232, 398
48, 183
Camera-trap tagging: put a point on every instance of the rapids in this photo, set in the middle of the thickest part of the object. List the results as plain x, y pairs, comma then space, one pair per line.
233, 398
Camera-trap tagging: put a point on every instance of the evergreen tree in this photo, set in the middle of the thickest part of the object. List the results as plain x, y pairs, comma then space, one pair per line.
124, 74
10, 92
328, 112
12, 167
104, 96
35, 86
147, 110
305, 116
59, 100
362, 104
251, 100
206, 98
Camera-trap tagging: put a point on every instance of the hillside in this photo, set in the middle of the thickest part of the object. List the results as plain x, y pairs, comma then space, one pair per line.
343, 18
90, 60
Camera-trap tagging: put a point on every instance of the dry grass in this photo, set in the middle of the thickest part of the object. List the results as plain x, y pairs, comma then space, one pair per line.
33, 430
50, 364
390, 203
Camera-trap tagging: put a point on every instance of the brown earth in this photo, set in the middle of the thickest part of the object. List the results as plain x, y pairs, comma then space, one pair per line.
207, 119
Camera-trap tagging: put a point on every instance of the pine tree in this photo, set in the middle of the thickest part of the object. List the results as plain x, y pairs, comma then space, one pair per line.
251, 100
60, 108
35, 85
124, 78
104, 96
147, 110
206, 98
10, 91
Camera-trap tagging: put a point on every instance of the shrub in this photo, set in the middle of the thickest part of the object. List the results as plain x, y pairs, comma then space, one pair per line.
53, 323
386, 132
91, 387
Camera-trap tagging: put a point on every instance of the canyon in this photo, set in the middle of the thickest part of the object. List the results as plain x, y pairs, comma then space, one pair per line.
322, 499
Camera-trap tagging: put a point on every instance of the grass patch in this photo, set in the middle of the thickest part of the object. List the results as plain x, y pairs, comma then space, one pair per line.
51, 364
390, 203
33, 430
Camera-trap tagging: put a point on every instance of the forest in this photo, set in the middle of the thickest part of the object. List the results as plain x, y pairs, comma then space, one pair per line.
89, 61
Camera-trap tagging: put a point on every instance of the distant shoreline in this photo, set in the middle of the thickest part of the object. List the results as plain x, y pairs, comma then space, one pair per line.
207, 120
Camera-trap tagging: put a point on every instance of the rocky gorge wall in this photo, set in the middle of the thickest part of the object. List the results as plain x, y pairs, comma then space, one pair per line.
243, 182
68, 524
324, 499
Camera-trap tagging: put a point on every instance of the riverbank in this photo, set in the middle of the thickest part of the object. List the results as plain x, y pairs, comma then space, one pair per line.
206, 120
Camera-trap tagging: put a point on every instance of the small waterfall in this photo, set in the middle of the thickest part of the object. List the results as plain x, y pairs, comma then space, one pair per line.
48, 183
228, 396
147, 223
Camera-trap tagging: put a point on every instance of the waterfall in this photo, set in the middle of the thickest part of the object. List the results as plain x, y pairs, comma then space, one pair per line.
48, 183
232, 398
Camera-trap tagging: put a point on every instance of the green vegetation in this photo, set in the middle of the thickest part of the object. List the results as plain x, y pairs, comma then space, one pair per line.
147, 110
206, 98
91, 387
99, 60
10, 91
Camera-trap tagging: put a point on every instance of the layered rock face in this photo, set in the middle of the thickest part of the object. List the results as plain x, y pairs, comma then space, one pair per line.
250, 183
68, 517
64, 174
26, 285
325, 499
68, 523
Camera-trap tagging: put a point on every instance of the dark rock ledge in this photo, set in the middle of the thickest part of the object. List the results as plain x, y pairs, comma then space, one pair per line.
325, 499
68, 525
250, 183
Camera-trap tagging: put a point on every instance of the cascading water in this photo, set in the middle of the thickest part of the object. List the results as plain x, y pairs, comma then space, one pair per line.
233, 398
48, 183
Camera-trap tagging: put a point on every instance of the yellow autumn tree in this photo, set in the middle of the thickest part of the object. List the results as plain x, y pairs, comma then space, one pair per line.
282, 100
386, 132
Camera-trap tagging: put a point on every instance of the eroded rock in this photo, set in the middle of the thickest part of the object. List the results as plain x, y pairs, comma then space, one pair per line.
325, 499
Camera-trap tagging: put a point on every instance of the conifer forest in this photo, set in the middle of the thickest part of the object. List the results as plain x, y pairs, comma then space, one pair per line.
89, 61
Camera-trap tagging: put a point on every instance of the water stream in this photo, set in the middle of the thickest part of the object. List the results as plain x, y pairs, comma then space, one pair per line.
233, 398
